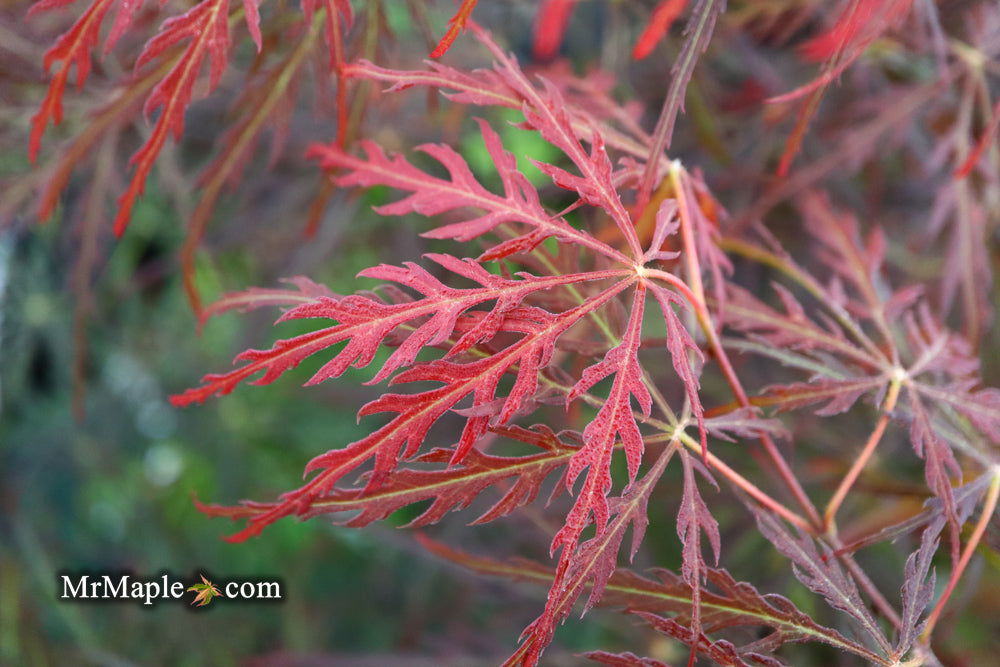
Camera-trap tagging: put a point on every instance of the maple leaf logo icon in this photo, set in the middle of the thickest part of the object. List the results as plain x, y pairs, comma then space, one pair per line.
206, 592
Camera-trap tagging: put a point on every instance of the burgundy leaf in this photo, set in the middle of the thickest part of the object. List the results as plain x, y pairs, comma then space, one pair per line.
432, 195
679, 344
721, 652
693, 518
736, 604
820, 573
622, 659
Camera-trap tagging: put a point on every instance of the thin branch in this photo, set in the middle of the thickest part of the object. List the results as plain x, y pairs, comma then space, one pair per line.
977, 534
749, 487
866, 453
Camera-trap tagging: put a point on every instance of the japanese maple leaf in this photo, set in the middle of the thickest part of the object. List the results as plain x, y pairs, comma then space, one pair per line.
73, 48
203, 29
854, 347
206, 592
860, 23
486, 352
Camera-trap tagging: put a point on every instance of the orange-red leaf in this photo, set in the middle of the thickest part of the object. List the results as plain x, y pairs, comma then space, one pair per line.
663, 16
551, 22
72, 48
455, 25
450, 488
205, 28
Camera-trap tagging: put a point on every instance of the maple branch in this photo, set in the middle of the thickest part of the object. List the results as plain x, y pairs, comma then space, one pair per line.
866, 453
687, 233
696, 298
977, 534
749, 487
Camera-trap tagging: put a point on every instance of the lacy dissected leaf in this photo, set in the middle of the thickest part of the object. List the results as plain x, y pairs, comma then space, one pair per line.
205, 29
451, 488
832, 344
622, 659
693, 518
545, 111
592, 562
73, 48
432, 195
721, 652
821, 574
365, 321
730, 604
613, 421
364, 324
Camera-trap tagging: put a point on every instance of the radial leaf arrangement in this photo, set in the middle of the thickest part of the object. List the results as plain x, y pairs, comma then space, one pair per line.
586, 349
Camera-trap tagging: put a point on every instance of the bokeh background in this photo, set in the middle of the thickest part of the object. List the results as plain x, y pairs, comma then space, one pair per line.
99, 472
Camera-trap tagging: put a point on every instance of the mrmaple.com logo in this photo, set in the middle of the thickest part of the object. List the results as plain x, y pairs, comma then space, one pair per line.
129, 588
